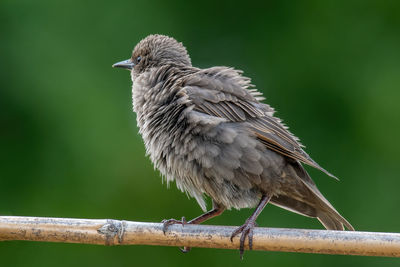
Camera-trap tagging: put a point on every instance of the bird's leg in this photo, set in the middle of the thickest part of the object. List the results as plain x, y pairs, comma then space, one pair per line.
217, 210
247, 228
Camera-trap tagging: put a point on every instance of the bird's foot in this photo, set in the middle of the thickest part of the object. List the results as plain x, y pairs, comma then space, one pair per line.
167, 223
247, 231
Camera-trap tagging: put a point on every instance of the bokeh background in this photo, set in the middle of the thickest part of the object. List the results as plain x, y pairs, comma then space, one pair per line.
69, 145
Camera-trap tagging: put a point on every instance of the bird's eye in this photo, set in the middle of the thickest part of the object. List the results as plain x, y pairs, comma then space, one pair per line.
138, 59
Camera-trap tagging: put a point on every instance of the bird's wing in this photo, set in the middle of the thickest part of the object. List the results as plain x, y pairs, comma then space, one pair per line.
224, 92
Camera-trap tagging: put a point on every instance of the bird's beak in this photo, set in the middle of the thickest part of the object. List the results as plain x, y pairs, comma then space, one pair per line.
126, 64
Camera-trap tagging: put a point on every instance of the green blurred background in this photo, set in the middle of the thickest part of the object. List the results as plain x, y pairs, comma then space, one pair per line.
69, 145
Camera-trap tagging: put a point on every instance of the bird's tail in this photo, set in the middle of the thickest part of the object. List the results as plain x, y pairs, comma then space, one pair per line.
328, 216
333, 221
313, 204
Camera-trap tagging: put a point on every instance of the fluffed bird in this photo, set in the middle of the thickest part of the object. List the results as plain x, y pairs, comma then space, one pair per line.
208, 130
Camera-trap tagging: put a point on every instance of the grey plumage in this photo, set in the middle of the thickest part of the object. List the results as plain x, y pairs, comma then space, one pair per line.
207, 130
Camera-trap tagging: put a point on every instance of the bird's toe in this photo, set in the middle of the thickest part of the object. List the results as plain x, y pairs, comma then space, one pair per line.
246, 230
166, 223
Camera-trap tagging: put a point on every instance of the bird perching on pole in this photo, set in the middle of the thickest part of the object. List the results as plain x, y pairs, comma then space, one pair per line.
208, 130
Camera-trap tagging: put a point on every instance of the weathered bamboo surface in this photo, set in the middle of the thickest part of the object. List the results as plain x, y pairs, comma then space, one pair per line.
116, 232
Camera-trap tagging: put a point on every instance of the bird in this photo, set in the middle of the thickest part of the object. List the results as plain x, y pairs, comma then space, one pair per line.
210, 132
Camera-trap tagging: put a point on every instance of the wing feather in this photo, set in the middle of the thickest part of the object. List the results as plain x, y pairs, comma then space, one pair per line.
222, 92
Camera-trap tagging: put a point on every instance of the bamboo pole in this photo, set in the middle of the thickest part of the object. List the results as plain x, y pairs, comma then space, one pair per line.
115, 232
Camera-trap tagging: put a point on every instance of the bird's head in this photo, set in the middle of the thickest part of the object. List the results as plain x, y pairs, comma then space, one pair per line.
155, 51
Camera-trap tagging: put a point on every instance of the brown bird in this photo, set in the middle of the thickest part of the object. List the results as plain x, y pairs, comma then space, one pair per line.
207, 130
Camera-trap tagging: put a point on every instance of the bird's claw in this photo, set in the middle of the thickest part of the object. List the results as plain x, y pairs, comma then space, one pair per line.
167, 223
247, 231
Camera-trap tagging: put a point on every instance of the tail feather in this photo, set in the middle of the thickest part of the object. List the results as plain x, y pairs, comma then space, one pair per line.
326, 213
312, 203
334, 221
294, 205
329, 218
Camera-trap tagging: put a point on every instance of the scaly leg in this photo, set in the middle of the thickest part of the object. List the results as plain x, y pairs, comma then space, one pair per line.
217, 210
247, 228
